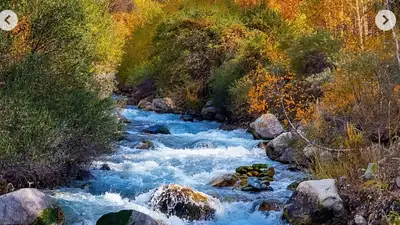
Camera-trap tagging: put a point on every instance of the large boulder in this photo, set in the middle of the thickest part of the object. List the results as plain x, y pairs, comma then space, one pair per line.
145, 105
126, 217
157, 129
204, 144
163, 105
183, 202
29, 206
266, 127
315, 202
279, 149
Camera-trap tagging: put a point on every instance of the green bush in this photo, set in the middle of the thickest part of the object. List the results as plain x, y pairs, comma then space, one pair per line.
313, 53
52, 118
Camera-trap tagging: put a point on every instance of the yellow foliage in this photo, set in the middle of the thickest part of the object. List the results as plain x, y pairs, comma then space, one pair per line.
289, 9
269, 90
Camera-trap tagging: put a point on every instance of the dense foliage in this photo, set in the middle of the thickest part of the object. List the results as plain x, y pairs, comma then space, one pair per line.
54, 113
322, 65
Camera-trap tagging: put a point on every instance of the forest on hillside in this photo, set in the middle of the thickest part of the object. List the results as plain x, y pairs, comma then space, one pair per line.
322, 67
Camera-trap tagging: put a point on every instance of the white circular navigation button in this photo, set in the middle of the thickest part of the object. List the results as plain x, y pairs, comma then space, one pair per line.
8, 20
385, 20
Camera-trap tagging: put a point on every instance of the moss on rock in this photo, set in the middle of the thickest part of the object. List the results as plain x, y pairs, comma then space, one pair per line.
50, 216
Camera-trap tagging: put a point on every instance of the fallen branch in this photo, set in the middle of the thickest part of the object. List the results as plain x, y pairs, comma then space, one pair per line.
305, 138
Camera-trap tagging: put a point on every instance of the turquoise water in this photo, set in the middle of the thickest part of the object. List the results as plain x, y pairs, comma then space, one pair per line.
192, 155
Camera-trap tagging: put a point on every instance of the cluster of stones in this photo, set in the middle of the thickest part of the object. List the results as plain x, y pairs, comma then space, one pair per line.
248, 178
256, 177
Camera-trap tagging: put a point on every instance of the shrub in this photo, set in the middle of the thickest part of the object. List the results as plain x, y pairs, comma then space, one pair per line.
364, 93
313, 53
52, 119
239, 100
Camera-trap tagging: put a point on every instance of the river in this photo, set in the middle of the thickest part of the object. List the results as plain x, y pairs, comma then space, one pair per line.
192, 155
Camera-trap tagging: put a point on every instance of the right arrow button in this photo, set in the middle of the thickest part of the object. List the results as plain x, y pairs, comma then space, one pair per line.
385, 20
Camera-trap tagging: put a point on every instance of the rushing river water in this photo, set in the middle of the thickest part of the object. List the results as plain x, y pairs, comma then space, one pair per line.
192, 155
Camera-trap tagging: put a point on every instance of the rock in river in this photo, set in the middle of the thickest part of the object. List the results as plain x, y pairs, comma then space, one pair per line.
315, 202
157, 129
145, 145
270, 205
126, 217
29, 206
84, 175
266, 127
183, 202
145, 105
256, 177
226, 180
105, 166
279, 149
163, 105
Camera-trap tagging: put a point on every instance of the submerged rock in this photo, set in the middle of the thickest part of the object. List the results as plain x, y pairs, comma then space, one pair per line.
183, 202
126, 217
105, 166
187, 118
204, 144
315, 202
29, 206
157, 129
145, 145
270, 205
84, 175
256, 184
266, 127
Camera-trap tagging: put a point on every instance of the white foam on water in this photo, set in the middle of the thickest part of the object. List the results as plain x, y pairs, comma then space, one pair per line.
136, 174
96, 206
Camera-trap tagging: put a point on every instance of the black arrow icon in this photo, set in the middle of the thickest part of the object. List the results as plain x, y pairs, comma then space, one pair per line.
386, 20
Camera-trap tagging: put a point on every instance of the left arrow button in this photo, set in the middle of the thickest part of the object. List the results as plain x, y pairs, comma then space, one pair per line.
8, 20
